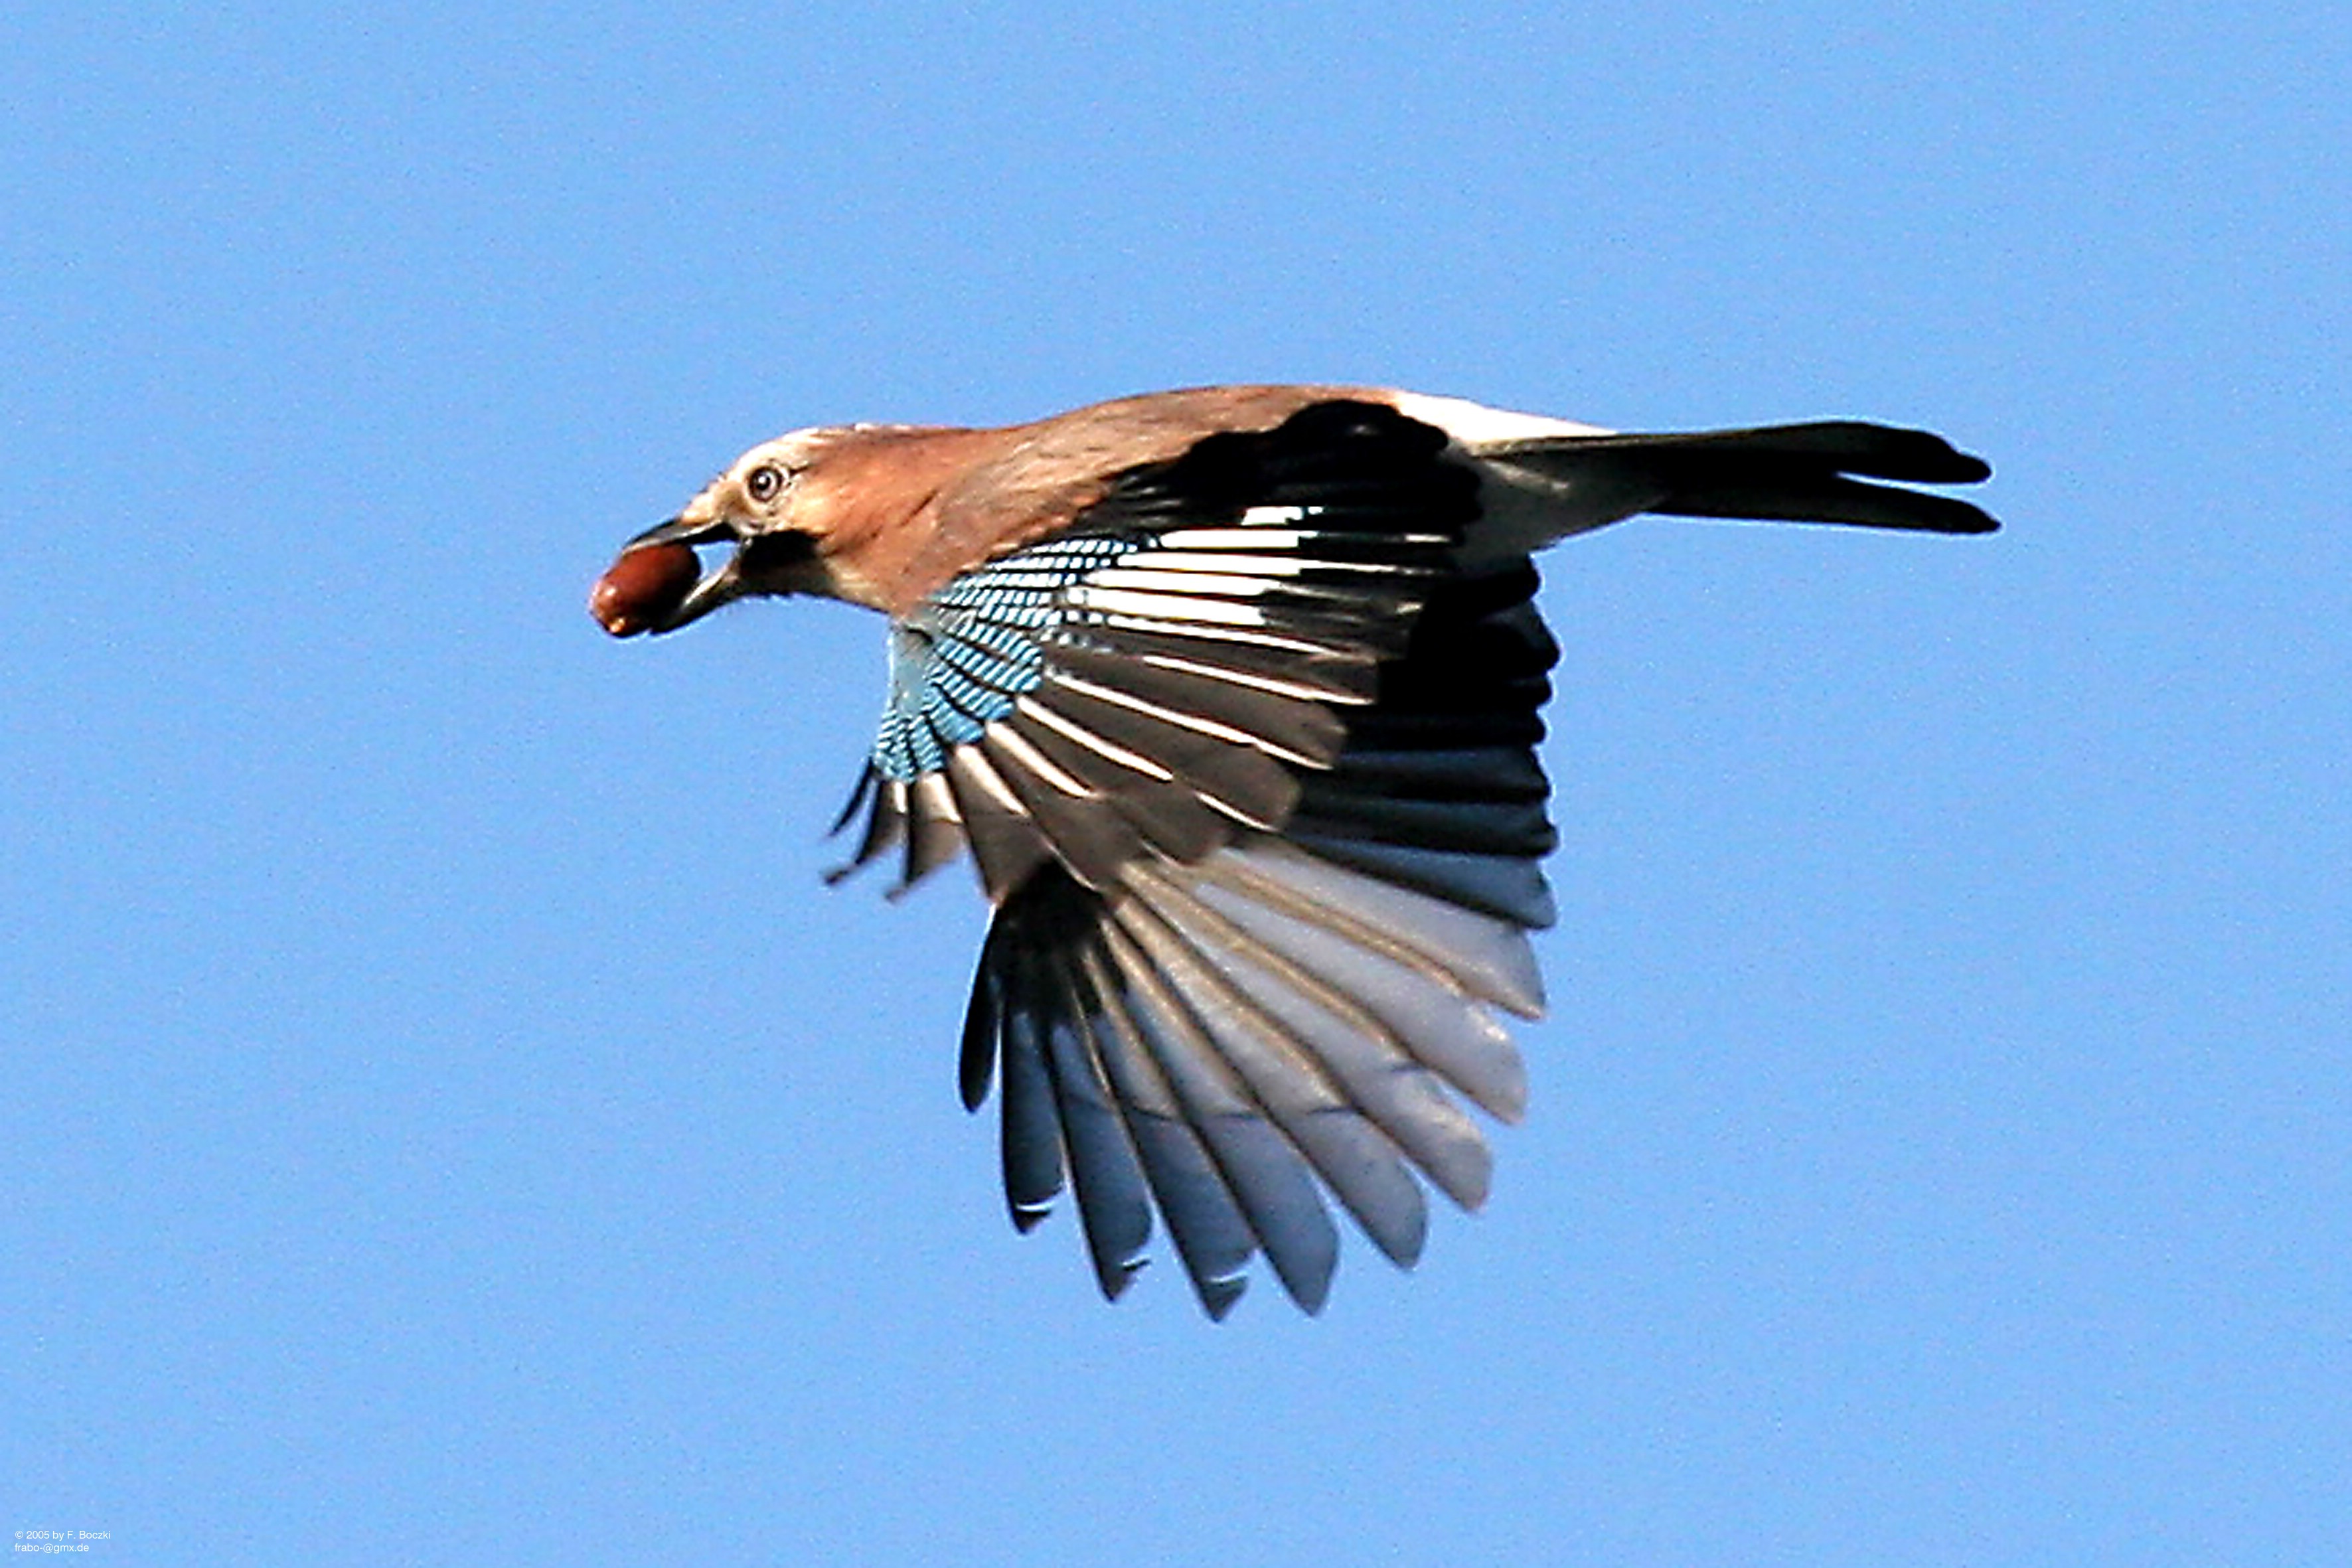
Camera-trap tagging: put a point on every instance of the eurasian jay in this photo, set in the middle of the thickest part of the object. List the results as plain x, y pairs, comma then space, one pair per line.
1234, 696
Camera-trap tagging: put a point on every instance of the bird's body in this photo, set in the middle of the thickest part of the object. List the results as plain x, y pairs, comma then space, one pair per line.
1233, 693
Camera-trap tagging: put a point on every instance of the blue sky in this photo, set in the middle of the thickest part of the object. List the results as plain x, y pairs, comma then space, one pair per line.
447, 1116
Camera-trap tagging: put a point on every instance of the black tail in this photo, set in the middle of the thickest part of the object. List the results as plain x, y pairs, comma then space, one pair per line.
1794, 473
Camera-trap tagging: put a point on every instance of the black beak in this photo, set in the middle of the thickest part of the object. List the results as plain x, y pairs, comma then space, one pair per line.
677, 531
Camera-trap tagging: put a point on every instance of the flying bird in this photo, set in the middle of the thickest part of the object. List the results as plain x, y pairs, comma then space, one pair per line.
1232, 694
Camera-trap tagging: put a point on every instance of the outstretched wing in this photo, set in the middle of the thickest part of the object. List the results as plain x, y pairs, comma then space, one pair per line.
1246, 761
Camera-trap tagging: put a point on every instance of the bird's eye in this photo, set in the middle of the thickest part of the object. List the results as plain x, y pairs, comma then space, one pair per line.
762, 483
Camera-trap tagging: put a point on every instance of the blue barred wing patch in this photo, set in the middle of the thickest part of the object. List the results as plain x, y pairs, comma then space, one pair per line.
963, 658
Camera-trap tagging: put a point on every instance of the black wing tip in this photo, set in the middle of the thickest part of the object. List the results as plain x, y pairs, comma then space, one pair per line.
1218, 1297
1114, 1280
1309, 1296
976, 1061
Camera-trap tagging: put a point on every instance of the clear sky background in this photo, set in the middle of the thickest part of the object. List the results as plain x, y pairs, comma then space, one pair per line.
446, 1120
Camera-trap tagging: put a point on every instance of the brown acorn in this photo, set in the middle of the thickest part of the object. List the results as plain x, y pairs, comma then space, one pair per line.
644, 588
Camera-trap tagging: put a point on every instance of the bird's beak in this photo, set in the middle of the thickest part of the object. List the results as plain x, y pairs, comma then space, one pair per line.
658, 584
679, 530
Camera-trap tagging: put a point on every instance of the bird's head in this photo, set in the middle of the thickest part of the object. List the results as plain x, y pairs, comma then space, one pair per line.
751, 531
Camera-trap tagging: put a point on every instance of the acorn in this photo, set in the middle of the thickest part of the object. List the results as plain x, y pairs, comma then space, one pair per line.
644, 588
